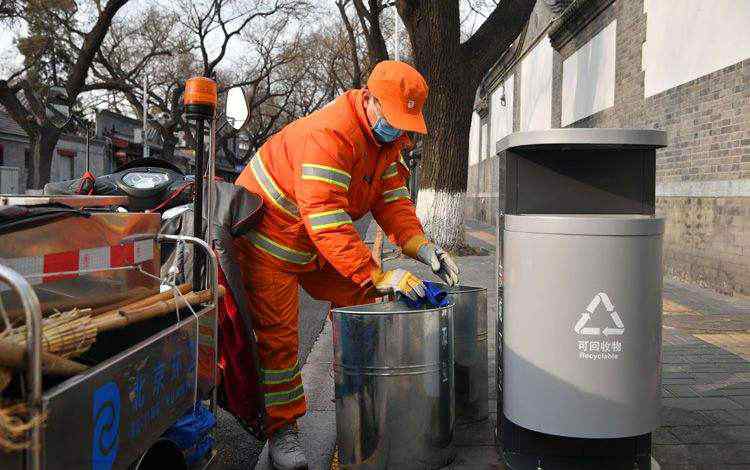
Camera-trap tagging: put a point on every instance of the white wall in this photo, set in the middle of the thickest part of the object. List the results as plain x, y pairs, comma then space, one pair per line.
536, 87
687, 39
588, 84
502, 116
474, 139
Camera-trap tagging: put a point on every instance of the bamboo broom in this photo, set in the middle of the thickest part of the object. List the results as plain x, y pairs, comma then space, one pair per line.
65, 334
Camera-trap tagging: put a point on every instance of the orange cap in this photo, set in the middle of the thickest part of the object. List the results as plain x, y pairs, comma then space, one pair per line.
200, 90
401, 91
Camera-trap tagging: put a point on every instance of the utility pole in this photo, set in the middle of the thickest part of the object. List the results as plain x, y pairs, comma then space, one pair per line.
144, 133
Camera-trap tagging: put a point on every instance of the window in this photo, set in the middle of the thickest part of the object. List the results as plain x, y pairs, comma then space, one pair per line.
67, 164
474, 139
691, 40
2, 155
502, 111
536, 87
588, 84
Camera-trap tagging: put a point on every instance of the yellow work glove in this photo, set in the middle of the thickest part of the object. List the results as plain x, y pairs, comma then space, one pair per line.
398, 281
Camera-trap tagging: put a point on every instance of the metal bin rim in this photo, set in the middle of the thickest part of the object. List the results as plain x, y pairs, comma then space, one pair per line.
585, 224
389, 308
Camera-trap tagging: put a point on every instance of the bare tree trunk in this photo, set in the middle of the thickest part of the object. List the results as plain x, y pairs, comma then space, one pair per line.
357, 72
453, 70
444, 171
42, 149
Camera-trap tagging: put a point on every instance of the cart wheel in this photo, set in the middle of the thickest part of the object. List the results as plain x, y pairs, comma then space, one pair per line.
163, 454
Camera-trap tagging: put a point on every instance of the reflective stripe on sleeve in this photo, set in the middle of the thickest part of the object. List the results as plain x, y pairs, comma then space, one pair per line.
390, 172
279, 376
272, 190
326, 174
278, 250
282, 398
329, 219
395, 194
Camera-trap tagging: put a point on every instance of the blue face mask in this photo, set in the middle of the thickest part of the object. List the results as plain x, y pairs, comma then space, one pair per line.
386, 133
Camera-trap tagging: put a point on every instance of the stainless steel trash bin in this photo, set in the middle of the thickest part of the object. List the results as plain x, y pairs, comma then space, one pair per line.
582, 324
470, 363
394, 386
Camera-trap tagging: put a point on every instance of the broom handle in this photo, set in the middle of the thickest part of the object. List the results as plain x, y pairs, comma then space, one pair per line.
14, 355
129, 304
128, 316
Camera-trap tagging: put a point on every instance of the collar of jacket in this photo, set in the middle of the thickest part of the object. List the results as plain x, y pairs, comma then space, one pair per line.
364, 124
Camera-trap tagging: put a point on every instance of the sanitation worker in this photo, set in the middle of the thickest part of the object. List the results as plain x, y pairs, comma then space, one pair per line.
316, 176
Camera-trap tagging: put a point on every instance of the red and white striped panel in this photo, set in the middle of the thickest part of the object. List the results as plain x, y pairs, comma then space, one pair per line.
46, 268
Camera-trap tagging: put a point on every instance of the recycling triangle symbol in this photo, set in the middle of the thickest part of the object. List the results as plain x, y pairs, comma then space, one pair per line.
600, 298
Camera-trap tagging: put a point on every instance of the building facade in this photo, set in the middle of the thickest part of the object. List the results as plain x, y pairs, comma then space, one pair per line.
640, 64
68, 158
118, 140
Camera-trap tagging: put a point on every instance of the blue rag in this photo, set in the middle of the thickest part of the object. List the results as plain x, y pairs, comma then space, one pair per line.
434, 297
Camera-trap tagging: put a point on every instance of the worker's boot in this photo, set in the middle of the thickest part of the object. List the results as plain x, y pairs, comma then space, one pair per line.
286, 450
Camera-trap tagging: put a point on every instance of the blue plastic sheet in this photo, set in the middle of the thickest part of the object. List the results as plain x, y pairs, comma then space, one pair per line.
192, 435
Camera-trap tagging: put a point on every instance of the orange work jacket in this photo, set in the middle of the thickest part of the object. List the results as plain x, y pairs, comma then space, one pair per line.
316, 176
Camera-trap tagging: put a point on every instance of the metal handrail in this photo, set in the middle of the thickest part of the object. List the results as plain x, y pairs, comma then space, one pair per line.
33, 310
214, 283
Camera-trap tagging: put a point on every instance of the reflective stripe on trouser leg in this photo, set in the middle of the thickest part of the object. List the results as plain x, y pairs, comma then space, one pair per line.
273, 296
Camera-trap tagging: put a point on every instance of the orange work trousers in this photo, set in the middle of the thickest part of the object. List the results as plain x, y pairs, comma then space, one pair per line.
273, 293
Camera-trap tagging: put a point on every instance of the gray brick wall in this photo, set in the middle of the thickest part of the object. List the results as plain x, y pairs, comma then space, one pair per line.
708, 125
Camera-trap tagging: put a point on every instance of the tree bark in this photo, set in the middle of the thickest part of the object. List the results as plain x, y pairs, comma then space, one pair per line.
43, 144
357, 72
369, 19
453, 71
444, 170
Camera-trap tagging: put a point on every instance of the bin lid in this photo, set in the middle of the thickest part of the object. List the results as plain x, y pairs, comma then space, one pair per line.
584, 139
586, 224
386, 308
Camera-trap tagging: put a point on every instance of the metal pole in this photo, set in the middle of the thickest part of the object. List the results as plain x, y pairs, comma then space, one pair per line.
145, 117
88, 161
33, 311
211, 183
198, 207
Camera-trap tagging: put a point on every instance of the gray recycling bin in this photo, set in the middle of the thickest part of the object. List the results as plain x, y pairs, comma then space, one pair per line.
579, 325
395, 403
583, 339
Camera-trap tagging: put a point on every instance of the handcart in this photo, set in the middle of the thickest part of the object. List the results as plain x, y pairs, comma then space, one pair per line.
152, 373
113, 415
